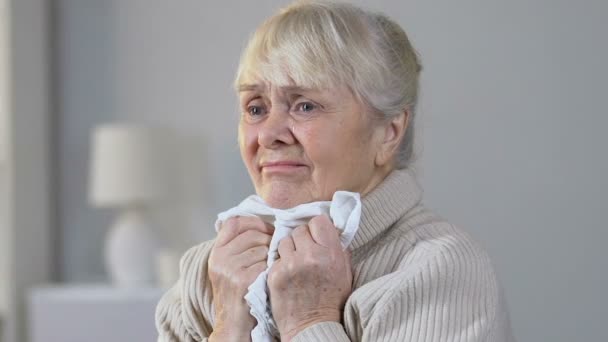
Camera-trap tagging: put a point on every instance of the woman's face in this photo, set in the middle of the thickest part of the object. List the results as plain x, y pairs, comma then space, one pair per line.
302, 145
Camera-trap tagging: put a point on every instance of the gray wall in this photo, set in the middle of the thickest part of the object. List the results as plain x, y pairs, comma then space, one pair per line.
511, 131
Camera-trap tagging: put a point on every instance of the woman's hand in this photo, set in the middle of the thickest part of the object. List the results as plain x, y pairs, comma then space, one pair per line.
237, 258
312, 280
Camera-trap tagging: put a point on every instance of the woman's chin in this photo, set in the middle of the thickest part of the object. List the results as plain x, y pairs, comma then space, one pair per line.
284, 201
286, 196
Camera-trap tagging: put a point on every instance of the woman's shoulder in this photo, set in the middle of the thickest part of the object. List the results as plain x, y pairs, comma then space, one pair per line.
434, 234
446, 247
195, 256
422, 235
185, 311
425, 264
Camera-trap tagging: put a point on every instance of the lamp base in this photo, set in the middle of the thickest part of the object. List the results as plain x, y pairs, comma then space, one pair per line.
130, 250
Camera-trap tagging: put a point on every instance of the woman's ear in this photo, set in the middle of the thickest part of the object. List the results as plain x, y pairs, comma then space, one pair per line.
393, 132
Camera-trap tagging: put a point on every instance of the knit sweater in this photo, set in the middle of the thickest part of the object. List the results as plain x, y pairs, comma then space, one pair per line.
416, 278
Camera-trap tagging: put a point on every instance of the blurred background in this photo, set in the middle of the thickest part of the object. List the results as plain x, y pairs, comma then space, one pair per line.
511, 147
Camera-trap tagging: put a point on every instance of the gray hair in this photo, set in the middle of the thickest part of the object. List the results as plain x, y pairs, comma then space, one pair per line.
320, 44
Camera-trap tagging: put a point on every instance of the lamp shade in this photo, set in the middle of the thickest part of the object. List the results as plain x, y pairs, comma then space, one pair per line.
129, 165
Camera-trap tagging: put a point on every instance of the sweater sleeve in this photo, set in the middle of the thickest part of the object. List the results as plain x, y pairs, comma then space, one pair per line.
185, 312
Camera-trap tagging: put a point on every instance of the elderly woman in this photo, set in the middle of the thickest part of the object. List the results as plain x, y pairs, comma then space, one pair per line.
327, 94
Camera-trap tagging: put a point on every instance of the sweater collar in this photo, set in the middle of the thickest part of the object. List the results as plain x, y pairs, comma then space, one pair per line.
398, 193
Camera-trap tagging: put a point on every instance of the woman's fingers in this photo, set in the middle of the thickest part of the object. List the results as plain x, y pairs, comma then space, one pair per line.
323, 231
255, 269
245, 223
302, 239
286, 247
320, 231
247, 240
234, 226
252, 256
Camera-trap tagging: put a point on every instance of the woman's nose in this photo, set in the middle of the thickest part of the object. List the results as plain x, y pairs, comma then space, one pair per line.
276, 130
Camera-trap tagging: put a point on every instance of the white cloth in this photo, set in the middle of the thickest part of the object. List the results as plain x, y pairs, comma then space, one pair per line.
345, 212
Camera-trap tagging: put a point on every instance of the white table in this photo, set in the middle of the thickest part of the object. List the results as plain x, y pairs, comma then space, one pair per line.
91, 313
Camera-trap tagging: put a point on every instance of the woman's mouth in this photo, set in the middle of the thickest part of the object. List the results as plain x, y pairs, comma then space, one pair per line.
282, 166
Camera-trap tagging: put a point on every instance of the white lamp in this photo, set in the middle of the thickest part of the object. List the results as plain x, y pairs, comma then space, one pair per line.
129, 171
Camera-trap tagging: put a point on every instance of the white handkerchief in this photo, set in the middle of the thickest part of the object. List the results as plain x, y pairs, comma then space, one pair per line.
345, 212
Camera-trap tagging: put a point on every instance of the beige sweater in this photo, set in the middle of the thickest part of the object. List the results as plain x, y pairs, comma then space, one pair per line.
416, 278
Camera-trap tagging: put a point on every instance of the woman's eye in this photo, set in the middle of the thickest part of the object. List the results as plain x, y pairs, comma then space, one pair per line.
255, 110
305, 107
